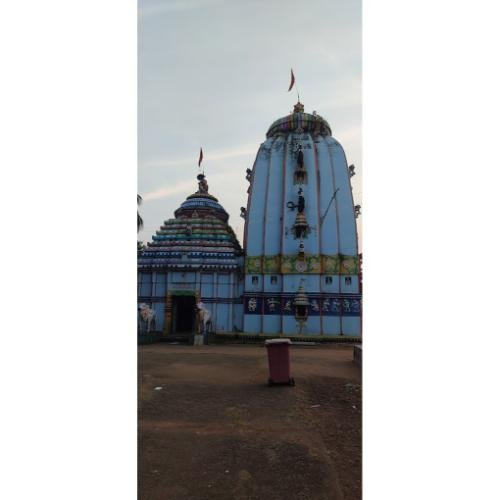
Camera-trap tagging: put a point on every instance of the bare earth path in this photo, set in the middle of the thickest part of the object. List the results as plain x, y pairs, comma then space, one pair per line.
215, 430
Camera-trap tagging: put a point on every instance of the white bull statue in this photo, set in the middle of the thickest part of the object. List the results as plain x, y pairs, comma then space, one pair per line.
148, 316
205, 319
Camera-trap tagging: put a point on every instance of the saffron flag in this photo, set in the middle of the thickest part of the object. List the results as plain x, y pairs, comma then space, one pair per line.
292, 80
201, 157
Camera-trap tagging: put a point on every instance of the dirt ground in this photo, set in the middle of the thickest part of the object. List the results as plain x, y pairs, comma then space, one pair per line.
215, 430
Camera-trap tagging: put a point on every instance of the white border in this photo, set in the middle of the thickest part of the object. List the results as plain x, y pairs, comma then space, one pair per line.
430, 250
431, 107
68, 368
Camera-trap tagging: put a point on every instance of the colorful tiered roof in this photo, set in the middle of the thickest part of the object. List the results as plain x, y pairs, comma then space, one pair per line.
203, 203
299, 121
198, 237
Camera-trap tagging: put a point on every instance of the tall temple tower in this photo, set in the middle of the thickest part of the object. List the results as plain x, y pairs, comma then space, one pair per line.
302, 264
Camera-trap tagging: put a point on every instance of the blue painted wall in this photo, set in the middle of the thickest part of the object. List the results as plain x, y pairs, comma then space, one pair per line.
220, 292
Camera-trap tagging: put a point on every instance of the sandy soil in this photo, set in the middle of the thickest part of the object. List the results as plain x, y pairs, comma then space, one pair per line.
217, 431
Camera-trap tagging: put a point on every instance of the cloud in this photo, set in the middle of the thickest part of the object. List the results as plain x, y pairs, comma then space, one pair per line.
189, 186
154, 8
221, 154
169, 190
349, 135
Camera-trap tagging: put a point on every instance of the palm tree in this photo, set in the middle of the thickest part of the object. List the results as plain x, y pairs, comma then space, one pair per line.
140, 222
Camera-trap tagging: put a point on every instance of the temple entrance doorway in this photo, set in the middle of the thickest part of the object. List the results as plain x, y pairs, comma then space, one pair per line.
184, 313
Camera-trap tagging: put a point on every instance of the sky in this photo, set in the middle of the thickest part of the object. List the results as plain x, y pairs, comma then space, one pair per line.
215, 74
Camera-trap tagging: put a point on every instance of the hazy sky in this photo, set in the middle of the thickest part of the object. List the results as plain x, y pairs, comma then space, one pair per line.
215, 73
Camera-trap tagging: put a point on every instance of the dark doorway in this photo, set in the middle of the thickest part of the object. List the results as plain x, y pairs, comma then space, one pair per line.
184, 311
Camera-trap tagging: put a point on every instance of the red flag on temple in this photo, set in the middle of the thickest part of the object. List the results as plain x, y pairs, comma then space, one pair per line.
292, 80
201, 157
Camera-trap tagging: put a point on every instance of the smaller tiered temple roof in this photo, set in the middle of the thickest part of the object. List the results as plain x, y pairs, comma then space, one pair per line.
199, 237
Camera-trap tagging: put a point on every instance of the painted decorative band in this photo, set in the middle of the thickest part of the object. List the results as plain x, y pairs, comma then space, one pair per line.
321, 306
310, 264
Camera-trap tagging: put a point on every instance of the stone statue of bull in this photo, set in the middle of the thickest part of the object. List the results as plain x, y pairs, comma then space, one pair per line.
148, 316
205, 319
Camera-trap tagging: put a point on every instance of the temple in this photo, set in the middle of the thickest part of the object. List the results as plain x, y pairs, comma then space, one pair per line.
301, 263
299, 271
193, 258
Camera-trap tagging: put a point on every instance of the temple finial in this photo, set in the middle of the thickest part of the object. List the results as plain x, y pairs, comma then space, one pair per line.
202, 183
298, 108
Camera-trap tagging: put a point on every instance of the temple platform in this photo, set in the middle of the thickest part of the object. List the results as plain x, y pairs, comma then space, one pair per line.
252, 338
